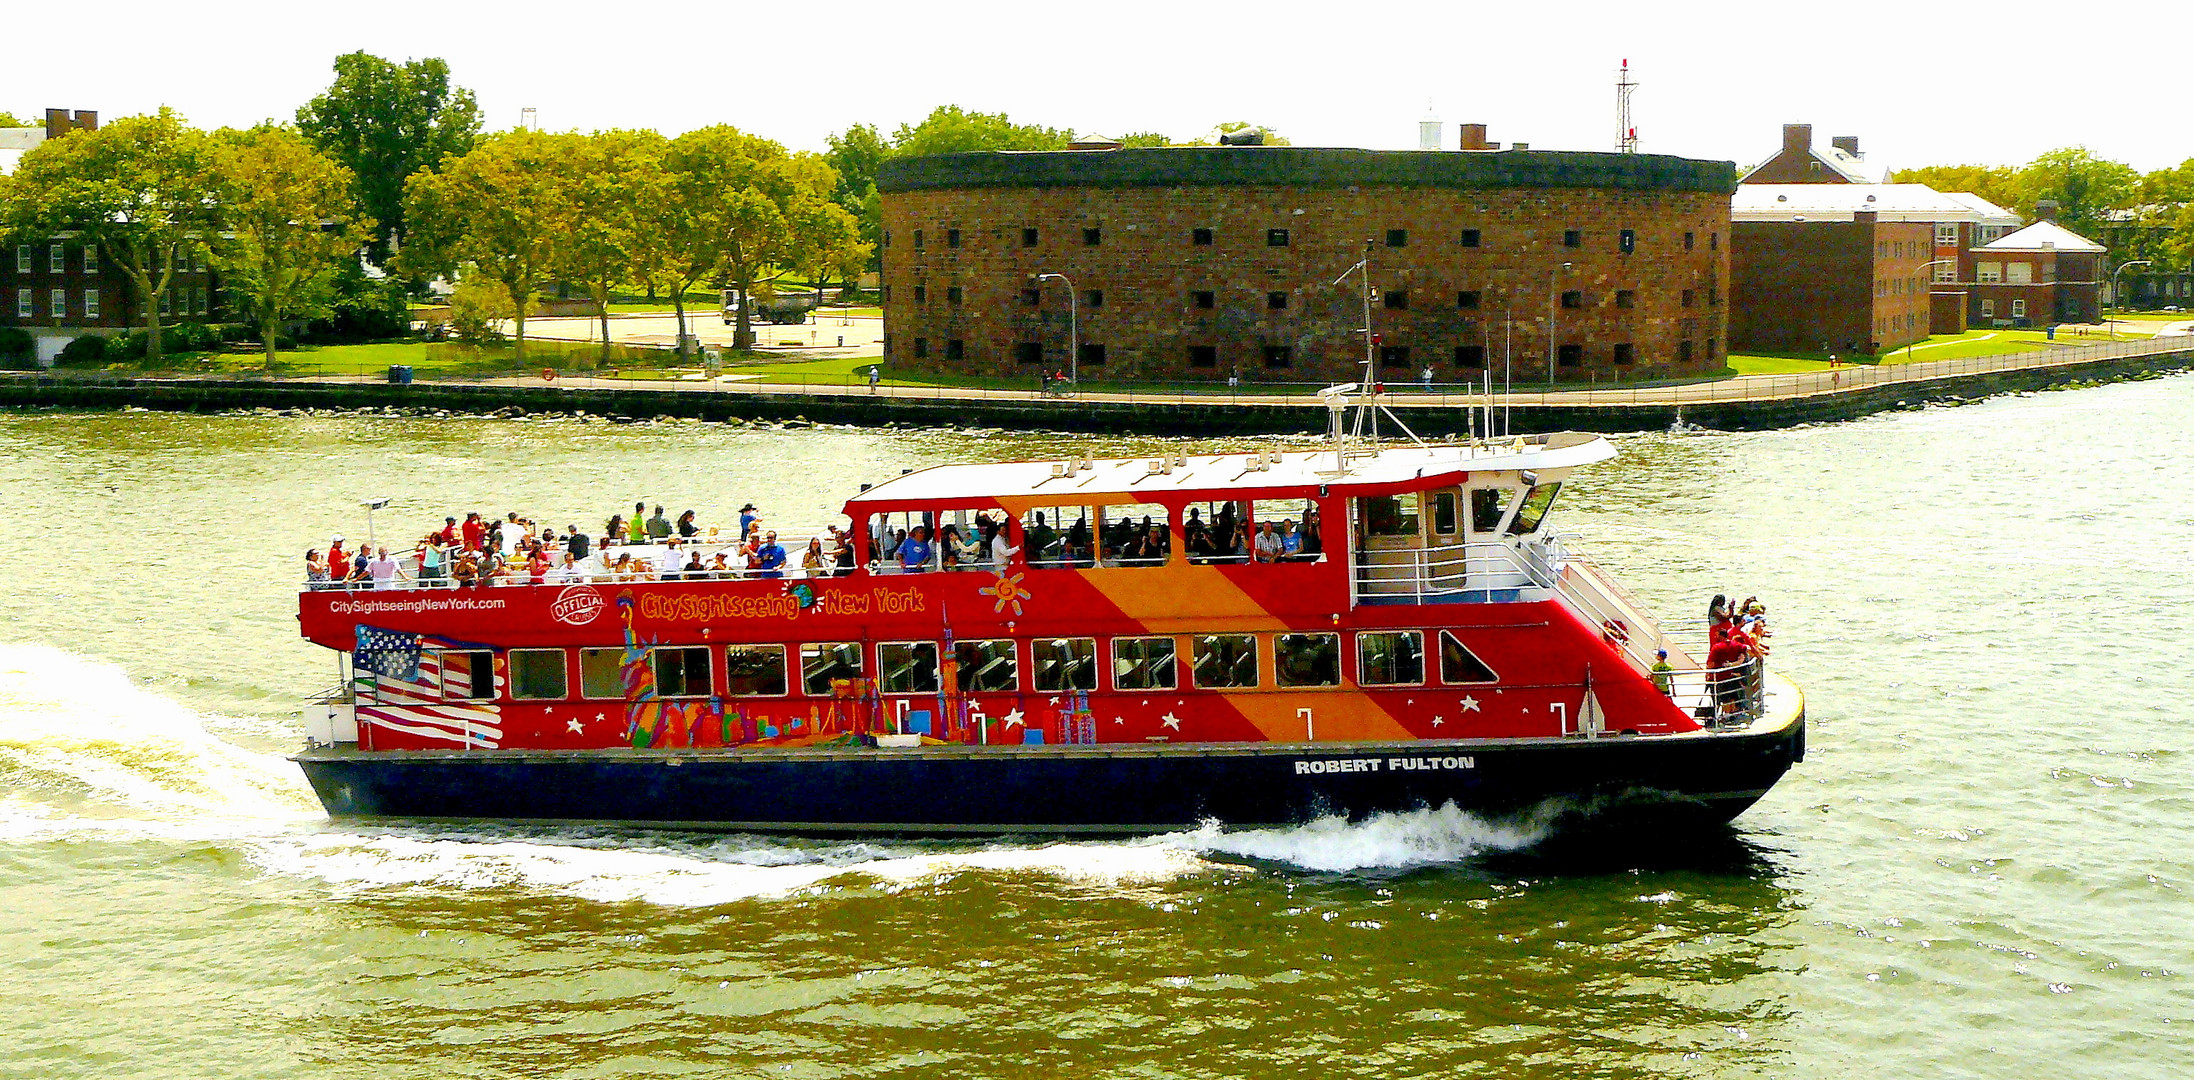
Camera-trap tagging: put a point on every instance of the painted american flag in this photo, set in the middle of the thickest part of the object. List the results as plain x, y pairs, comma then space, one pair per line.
421, 685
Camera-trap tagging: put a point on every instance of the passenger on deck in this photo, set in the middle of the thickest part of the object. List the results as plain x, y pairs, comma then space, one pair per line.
538, 565
433, 560
719, 567
338, 560
812, 561
658, 526
1001, 552
575, 542
566, 570
1291, 542
747, 519
451, 534
467, 570
695, 571
621, 570
1663, 673
1198, 540
914, 551
769, 558
475, 532
316, 569
1270, 548
636, 531
670, 562
1725, 657
384, 570
1078, 549
1040, 539
842, 551
686, 527
1313, 545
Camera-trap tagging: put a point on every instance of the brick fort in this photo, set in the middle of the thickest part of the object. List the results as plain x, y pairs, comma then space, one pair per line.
1201, 263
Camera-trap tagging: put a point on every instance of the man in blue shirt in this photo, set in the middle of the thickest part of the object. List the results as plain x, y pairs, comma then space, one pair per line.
769, 559
914, 553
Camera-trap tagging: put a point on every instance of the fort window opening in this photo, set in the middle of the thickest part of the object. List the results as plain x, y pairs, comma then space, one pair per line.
1028, 352
921, 347
918, 240
1390, 658
1690, 296
1093, 298
1224, 661
754, 671
1306, 659
1032, 297
1275, 237
1203, 299
1573, 238
1470, 238
1200, 237
1625, 298
952, 238
1090, 354
1064, 663
1691, 240
1279, 356
1143, 664
953, 295
1397, 238
990, 666
1459, 666
1683, 351
1470, 356
1570, 355
1203, 356
826, 663
1573, 298
538, 675
921, 294
1092, 237
1276, 301
955, 349
682, 672
1623, 354
910, 667
1395, 299
1394, 356
1627, 241
602, 674
1468, 300
1028, 238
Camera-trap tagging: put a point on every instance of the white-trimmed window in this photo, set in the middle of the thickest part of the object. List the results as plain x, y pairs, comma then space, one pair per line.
1988, 308
1988, 273
602, 674
1946, 271
909, 667
682, 671
1224, 661
91, 258
26, 304
59, 303
1306, 659
167, 301
539, 675
1064, 663
1946, 234
2019, 273
1143, 664
1459, 666
2018, 309
990, 666
57, 259
22, 258
1390, 658
824, 663
198, 299
754, 671
91, 303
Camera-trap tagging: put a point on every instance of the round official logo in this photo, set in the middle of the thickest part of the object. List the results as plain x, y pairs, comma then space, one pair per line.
577, 605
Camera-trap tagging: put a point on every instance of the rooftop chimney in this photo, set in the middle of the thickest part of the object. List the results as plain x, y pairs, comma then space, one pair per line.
2046, 210
1797, 138
1428, 134
1474, 138
58, 122
1849, 144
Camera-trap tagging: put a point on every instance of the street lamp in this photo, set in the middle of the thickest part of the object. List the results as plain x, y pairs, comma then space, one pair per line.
1074, 331
1930, 304
2113, 325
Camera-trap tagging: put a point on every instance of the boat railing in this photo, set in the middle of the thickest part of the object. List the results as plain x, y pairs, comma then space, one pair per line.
1623, 620
1483, 572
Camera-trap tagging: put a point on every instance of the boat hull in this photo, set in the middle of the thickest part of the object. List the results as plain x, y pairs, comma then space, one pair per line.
1707, 777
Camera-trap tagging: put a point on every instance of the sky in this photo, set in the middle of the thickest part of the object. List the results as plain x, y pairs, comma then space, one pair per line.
1920, 82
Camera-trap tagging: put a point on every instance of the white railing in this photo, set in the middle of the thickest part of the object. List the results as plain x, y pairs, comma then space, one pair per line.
1477, 572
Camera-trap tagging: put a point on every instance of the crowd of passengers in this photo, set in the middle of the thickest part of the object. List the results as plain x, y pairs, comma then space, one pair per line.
480, 551
1736, 637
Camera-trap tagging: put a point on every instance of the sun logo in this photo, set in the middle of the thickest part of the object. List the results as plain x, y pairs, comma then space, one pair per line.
1009, 593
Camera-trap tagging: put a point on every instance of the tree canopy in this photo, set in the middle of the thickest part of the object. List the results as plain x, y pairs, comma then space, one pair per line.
2084, 187
1998, 184
384, 122
494, 211
288, 224
949, 129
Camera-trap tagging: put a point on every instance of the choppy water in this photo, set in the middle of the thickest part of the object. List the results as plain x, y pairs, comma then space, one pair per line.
1981, 870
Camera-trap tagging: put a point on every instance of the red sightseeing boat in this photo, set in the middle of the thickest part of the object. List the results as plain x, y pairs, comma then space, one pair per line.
1130, 645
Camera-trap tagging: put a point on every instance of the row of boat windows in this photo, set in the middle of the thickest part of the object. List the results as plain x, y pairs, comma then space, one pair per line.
981, 666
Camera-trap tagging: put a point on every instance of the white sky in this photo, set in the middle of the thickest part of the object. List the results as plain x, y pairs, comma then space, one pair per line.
1920, 82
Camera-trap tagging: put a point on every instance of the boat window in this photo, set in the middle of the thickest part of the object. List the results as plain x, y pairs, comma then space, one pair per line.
1459, 666
754, 671
986, 667
1225, 660
1306, 659
1486, 507
1143, 664
1443, 513
682, 672
1058, 536
1293, 535
602, 673
539, 674
963, 538
889, 535
1536, 503
1390, 515
822, 666
1064, 663
1390, 658
910, 667
1216, 532
1137, 534
467, 675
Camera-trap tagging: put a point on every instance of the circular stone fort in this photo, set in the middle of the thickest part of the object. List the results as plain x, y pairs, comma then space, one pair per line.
1205, 263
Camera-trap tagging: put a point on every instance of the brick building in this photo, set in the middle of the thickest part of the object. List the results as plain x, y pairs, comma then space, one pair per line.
59, 287
1206, 262
1799, 163
1850, 268
2042, 275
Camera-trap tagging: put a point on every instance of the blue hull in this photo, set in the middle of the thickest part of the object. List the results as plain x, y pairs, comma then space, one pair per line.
942, 790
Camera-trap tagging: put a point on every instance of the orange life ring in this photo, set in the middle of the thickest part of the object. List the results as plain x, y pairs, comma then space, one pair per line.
548, 374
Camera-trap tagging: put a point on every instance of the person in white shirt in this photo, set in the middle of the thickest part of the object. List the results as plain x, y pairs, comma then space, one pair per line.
383, 570
670, 563
1270, 547
567, 572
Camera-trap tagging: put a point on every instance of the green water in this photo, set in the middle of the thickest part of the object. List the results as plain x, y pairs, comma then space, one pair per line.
1980, 870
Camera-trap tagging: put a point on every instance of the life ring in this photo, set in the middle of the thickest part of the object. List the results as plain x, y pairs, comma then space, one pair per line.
548, 374
1614, 632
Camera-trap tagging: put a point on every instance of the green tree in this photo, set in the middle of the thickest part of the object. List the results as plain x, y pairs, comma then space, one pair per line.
2084, 187
384, 122
610, 175
857, 154
288, 224
494, 212
758, 206
139, 188
949, 129
1996, 183
1135, 139
9, 120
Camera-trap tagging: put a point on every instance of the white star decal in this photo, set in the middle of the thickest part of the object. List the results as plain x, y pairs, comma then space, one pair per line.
1054, 700
601, 716
1013, 719
576, 727
1437, 721
1170, 721
1470, 704
1118, 720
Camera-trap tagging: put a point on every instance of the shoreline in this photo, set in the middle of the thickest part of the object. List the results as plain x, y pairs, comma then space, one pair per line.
1812, 398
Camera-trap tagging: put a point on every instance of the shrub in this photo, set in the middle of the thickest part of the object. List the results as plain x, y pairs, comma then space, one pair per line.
473, 309
18, 349
89, 350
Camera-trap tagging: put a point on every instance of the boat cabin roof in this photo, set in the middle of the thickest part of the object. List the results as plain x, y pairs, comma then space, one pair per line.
1241, 475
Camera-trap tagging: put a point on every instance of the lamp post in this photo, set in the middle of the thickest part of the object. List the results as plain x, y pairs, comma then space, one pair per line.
1074, 330
1930, 301
2113, 325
